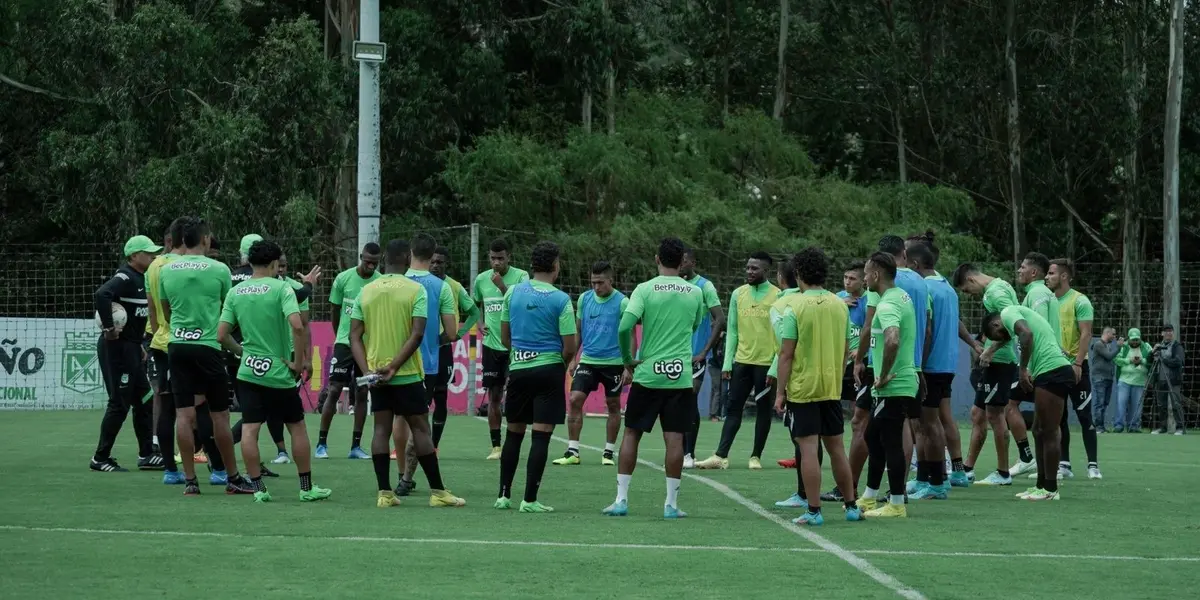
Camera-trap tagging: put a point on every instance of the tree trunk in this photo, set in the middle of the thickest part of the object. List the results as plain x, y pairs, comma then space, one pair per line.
1131, 230
1016, 197
610, 88
345, 204
728, 60
901, 145
1171, 169
781, 76
586, 112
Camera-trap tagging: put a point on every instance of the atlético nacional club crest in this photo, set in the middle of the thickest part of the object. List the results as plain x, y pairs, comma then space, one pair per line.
80, 366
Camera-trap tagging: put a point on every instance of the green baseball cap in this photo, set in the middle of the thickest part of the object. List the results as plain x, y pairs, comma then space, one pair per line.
1135, 334
140, 243
247, 241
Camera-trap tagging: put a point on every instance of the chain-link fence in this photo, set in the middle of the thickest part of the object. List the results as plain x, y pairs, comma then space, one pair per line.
47, 337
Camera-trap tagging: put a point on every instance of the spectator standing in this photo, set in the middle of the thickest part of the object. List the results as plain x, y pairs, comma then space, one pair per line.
1104, 350
1132, 361
1168, 360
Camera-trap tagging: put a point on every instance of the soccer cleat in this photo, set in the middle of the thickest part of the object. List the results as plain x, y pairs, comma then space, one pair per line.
322, 451
495, 453
671, 512
1026, 493
888, 511
392, 455
154, 462
570, 458
1059, 476
959, 479
931, 492
755, 464
282, 458
107, 465
1041, 495
795, 501
535, 507
713, 462
1180, 432
689, 462
868, 504
265, 472
1094, 473
1064, 472
834, 495
808, 518
618, 508
786, 463
387, 500
199, 457
218, 478
191, 488
855, 514
607, 459
502, 503
173, 478
405, 487
239, 485
970, 475
1020, 467
443, 498
262, 497
994, 478
912, 486
316, 493
357, 453
1158, 431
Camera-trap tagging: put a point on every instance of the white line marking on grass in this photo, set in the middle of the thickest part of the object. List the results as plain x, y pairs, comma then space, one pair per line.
1152, 464
821, 542
587, 545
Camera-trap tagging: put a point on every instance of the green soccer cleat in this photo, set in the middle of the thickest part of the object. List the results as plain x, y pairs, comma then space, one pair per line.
535, 507
316, 493
262, 497
502, 503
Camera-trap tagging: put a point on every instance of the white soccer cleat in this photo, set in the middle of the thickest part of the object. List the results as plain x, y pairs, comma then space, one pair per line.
1020, 467
1065, 472
689, 462
1094, 473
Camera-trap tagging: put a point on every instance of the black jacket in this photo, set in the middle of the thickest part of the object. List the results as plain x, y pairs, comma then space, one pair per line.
127, 288
1170, 362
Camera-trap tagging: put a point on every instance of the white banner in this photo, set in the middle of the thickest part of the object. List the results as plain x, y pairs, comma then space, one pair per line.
49, 364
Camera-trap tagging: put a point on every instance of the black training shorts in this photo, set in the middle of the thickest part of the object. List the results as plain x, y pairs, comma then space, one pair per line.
805, 419
892, 407
1081, 392
342, 368
261, 404
588, 378
495, 368
674, 407
537, 395
937, 388
995, 384
403, 400
197, 370
1059, 381
445, 367
157, 369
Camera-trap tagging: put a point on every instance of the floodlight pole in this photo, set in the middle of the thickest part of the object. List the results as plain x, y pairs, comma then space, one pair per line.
370, 184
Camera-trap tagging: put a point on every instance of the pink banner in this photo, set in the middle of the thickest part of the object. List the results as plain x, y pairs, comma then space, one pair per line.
464, 357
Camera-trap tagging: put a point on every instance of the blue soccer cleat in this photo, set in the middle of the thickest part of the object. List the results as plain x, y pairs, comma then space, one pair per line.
670, 512
795, 501
218, 478
322, 451
619, 508
357, 453
809, 518
173, 478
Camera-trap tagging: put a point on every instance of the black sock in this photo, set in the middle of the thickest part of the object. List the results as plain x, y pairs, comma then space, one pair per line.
535, 467
433, 473
849, 505
437, 433
956, 464
323, 438
1089, 435
923, 471
306, 481
799, 475
816, 510
575, 451
356, 440
1003, 473
1024, 451
258, 484
382, 467
937, 472
496, 438
510, 457
967, 467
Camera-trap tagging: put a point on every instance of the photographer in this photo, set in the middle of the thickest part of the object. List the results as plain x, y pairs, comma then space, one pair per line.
1167, 358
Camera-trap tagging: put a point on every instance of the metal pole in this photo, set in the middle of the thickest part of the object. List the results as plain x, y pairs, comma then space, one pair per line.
1171, 170
473, 357
370, 186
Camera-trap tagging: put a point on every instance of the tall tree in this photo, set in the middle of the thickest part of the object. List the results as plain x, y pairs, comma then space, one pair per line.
781, 75
1016, 189
1171, 168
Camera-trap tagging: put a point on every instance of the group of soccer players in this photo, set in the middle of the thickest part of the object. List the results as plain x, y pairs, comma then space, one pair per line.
794, 349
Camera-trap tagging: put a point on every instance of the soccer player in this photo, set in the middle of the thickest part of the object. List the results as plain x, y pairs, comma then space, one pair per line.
441, 327
749, 350
814, 325
119, 352
537, 322
995, 380
941, 360
1048, 374
342, 368
1075, 317
670, 309
856, 387
192, 288
156, 360
1032, 275
599, 365
272, 359
488, 292
894, 334
386, 328
785, 279
468, 314
705, 341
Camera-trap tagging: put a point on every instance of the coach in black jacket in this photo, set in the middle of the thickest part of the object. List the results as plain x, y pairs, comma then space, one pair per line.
1168, 358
